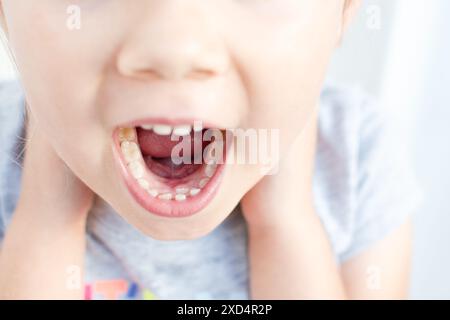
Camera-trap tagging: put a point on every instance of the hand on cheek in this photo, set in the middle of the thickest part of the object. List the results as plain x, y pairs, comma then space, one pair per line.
282, 199
48, 185
46, 237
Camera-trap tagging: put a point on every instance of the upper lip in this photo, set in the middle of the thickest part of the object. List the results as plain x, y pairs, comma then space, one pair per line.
127, 103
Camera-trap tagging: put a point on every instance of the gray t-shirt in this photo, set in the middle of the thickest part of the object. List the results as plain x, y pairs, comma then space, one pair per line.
364, 188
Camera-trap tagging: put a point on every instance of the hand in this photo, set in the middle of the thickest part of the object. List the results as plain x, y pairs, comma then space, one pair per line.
290, 256
282, 198
48, 185
46, 236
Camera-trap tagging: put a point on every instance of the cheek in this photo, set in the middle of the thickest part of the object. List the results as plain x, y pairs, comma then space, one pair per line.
61, 79
284, 66
66, 69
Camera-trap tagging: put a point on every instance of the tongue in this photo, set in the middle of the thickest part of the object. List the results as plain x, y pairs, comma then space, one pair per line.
158, 146
154, 145
157, 152
164, 167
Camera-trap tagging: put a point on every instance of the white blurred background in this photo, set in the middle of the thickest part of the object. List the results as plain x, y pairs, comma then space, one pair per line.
398, 50
403, 59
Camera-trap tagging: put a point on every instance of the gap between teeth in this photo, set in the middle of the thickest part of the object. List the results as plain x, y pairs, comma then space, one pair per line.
133, 158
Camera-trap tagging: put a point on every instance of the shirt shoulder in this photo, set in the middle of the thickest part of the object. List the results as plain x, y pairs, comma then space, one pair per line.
12, 115
364, 183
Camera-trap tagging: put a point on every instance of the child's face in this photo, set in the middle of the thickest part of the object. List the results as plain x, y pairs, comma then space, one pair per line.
227, 63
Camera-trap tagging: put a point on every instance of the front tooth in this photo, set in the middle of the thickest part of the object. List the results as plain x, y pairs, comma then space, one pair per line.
162, 130
165, 196
180, 197
136, 169
127, 134
198, 127
147, 126
194, 191
130, 151
182, 131
210, 170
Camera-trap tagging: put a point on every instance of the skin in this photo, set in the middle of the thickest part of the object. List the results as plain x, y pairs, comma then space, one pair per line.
156, 54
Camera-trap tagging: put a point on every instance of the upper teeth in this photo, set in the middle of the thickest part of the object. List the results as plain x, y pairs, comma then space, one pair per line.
162, 130
166, 130
183, 130
127, 134
147, 127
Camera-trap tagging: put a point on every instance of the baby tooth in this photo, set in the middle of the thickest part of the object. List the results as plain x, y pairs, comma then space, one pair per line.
143, 183
162, 130
154, 193
182, 130
136, 169
147, 126
127, 134
210, 170
182, 190
165, 196
180, 197
203, 182
194, 191
130, 151
198, 127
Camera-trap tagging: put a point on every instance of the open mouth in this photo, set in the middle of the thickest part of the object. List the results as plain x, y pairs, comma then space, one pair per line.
171, 171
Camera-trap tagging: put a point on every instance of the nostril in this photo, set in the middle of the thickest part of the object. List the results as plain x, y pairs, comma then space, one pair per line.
201, 74
133, 68
172, 61
145, 74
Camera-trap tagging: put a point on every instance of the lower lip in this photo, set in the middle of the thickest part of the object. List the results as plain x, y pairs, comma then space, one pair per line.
168, 208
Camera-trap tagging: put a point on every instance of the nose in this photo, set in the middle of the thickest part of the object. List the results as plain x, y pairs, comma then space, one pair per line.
173, 40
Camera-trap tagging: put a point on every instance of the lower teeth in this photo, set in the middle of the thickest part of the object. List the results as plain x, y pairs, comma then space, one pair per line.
165, 196
136, 166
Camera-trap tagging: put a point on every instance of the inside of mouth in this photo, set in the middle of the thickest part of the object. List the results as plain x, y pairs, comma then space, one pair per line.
161, 157
171, 166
